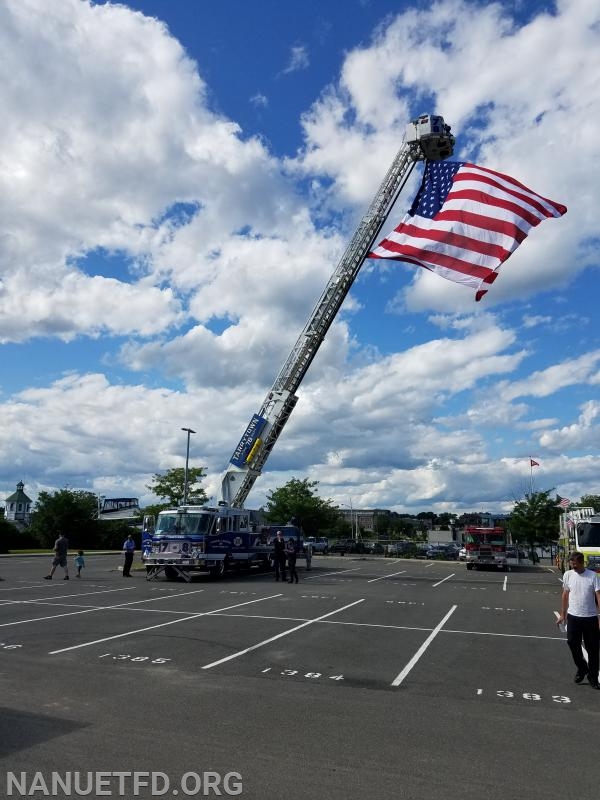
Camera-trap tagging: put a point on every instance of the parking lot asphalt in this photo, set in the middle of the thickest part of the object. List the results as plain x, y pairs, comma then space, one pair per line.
372, 678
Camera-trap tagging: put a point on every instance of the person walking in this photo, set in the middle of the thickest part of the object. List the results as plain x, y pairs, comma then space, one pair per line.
290, 552
61, 548
579, 610
79, 562
128, 550
279, 556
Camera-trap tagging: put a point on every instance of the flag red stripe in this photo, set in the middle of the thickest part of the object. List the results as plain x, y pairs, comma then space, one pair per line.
496, 202
485, 223
528, 199
429, 257
451, 239
558, 207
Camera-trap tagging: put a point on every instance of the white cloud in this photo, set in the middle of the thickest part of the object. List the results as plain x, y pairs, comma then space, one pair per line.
259, 100
541, 383
106, 148
476, 74
584, 434
102, 148
298, 60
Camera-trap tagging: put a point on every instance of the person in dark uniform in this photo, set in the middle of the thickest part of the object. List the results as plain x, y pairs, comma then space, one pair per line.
290, 552
279, 556
128, 550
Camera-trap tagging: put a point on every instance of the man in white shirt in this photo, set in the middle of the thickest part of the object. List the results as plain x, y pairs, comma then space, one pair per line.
579, 609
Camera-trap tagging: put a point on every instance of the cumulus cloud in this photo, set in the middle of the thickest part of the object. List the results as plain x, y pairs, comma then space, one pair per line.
135, 214
498, 119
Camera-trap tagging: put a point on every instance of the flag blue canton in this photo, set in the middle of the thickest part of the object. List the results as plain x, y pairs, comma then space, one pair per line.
436, 183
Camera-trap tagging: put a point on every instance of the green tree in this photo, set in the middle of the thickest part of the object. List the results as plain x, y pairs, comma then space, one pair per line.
446, 519
592, 501
170, 487
298, 500
534, 520
72, 512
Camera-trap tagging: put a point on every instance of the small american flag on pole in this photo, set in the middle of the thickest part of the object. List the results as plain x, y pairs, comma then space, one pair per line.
564, 503
465, 222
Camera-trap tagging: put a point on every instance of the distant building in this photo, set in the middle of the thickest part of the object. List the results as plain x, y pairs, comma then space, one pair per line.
119, 508
18, 506
360, 519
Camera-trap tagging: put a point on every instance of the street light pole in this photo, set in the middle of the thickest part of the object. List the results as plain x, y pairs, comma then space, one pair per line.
187, 459
353, 522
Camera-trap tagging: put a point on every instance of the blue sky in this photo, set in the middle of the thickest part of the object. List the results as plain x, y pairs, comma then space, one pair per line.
179, 180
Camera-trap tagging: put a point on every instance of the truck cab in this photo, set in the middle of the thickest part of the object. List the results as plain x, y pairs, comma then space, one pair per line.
485, 547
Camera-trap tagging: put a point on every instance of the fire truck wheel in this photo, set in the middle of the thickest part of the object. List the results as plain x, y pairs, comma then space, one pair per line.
170, 573
469, 566
220, 570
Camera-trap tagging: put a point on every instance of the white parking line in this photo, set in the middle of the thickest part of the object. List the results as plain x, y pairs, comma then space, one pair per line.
337, 572
35, 586
161, 625
278, 636
400, 677
391, 575
87, 610
63, 596
505, 582
447, 578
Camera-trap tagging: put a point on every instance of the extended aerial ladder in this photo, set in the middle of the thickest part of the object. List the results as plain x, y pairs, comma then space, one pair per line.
427, 137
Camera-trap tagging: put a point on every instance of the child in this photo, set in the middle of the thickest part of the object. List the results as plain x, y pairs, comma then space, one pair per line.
79, 563
290, 552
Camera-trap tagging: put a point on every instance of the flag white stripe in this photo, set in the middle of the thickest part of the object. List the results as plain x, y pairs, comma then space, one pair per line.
431, 246
484, 210
493, 191
514, 187
459, 228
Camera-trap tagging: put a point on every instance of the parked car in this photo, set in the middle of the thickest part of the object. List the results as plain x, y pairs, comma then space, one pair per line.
452, 551
421, 550
319, 544
342, 546
402, 548
436, 552
375, 548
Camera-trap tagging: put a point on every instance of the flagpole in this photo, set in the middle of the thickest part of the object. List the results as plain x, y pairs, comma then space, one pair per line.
530, 476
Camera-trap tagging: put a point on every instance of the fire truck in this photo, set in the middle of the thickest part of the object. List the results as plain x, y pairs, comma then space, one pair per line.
192, 538
485, 547
579, 529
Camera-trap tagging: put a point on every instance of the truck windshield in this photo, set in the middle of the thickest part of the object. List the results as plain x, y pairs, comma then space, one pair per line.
588, 534
184, 524
484, 538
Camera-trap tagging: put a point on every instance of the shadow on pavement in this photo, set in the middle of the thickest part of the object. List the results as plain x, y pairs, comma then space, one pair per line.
22, 729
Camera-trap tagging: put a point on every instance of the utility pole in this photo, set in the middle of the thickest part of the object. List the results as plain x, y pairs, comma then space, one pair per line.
187, 460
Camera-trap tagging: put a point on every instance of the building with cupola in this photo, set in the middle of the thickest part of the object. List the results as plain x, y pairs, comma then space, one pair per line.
18, 506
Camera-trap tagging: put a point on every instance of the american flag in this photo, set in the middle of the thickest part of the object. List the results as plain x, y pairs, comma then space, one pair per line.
564, 503
465, 222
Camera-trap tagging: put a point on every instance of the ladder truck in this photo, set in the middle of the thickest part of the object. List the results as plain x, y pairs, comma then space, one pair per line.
226, 535
427, 137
